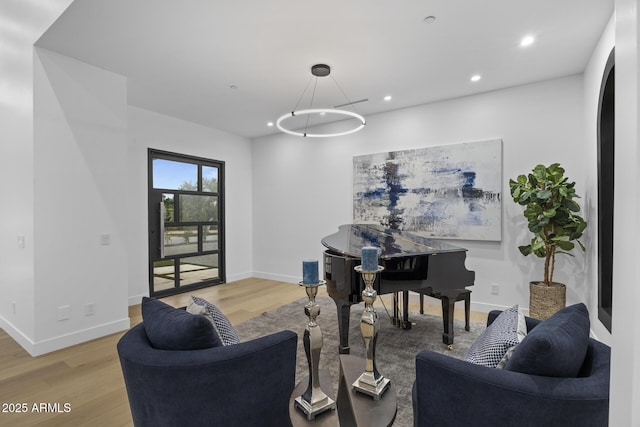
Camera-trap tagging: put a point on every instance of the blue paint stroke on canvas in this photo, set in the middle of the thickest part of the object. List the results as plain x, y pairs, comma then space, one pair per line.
450, 191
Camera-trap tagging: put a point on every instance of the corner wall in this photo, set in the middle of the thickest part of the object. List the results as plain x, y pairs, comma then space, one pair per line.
80, 192
303, 187
23, 24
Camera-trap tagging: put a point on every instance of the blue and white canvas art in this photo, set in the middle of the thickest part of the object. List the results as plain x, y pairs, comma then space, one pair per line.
448, 191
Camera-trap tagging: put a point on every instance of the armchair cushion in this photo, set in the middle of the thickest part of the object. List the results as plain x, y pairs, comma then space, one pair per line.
556, 347
170, 328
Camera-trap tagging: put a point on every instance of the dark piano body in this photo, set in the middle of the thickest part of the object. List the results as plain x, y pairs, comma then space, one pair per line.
410, 262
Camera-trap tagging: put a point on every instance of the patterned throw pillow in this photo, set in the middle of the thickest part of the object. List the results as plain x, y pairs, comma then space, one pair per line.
221, 324
522, 333
494, 343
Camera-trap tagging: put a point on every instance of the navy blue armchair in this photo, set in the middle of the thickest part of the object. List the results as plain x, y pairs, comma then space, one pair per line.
246, 384
452, 392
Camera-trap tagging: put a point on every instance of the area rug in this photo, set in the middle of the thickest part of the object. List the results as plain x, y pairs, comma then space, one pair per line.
395, 351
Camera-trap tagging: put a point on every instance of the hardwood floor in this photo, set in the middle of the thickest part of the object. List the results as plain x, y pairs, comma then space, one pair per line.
87, 377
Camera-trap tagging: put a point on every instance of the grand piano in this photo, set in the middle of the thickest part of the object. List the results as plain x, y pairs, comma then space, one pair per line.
410, 261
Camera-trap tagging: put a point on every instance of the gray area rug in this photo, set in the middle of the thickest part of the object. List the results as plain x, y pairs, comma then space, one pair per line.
395, 351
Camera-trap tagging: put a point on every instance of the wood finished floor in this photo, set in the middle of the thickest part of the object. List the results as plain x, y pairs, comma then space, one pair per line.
88, 376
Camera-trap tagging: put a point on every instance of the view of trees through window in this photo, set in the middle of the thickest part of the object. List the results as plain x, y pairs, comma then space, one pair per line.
185, 239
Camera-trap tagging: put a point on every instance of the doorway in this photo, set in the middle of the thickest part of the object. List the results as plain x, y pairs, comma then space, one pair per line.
186, 223
606, 167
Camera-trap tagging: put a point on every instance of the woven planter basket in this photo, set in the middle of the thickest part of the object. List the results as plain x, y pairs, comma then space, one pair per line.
545, 301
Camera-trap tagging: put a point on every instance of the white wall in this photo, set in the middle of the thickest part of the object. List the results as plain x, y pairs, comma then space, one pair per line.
303, 187
79, 191
151, 130
22, 25
625, 353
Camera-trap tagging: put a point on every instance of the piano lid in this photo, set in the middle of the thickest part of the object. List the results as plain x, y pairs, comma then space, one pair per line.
351, 238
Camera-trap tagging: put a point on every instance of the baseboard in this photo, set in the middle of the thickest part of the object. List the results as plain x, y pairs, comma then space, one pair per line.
57, 343
276, 277
78, 337
483, 307
135, 300
239, 276
17, 335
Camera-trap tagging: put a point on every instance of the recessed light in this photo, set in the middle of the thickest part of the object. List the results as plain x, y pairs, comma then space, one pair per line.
270, 124
526, 41
387, 98
476, 77
429, 19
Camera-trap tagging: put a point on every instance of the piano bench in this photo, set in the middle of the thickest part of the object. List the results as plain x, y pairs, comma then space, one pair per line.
463, 295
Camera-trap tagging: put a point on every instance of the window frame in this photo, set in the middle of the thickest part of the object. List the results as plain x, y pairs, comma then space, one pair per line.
153, 246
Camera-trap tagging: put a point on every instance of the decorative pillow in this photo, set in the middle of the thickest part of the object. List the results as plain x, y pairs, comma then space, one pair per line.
492, 345
556, 347
201, 310
521, 332
170, 328
220, 323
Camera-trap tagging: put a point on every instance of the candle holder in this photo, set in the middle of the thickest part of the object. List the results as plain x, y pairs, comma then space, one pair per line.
314, 400
370, 382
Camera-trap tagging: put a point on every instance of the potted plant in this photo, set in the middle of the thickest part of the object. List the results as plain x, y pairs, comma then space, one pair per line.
551, 212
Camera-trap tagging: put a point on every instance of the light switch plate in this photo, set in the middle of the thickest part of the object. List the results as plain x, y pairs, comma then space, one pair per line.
105, 239
64, 312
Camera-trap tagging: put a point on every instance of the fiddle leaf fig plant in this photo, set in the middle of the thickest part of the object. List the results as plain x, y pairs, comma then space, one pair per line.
551, 212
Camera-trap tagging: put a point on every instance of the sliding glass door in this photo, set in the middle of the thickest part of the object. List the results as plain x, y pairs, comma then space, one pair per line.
186, 223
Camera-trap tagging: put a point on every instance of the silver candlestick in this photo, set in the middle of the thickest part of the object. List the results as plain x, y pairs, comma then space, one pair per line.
371, 382
314, 400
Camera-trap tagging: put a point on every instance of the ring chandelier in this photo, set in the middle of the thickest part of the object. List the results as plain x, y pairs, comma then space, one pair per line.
320, 70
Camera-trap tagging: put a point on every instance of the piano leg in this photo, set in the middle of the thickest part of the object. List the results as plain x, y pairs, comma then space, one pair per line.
405, 310
448, 305
344, 314
404, 322
396, 315
467, 309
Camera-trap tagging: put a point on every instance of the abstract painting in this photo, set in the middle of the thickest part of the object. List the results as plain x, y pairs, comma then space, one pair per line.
448, 191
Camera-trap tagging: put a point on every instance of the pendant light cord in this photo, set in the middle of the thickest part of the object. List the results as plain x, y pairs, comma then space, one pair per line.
313, 95
303, 92
344, 94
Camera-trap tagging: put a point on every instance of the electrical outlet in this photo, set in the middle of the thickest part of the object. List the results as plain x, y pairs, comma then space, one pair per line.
21, 242
89, 309
495, 289
64, 312
105, 239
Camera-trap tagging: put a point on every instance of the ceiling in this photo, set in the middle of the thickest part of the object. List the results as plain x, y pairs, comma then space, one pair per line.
236, 65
